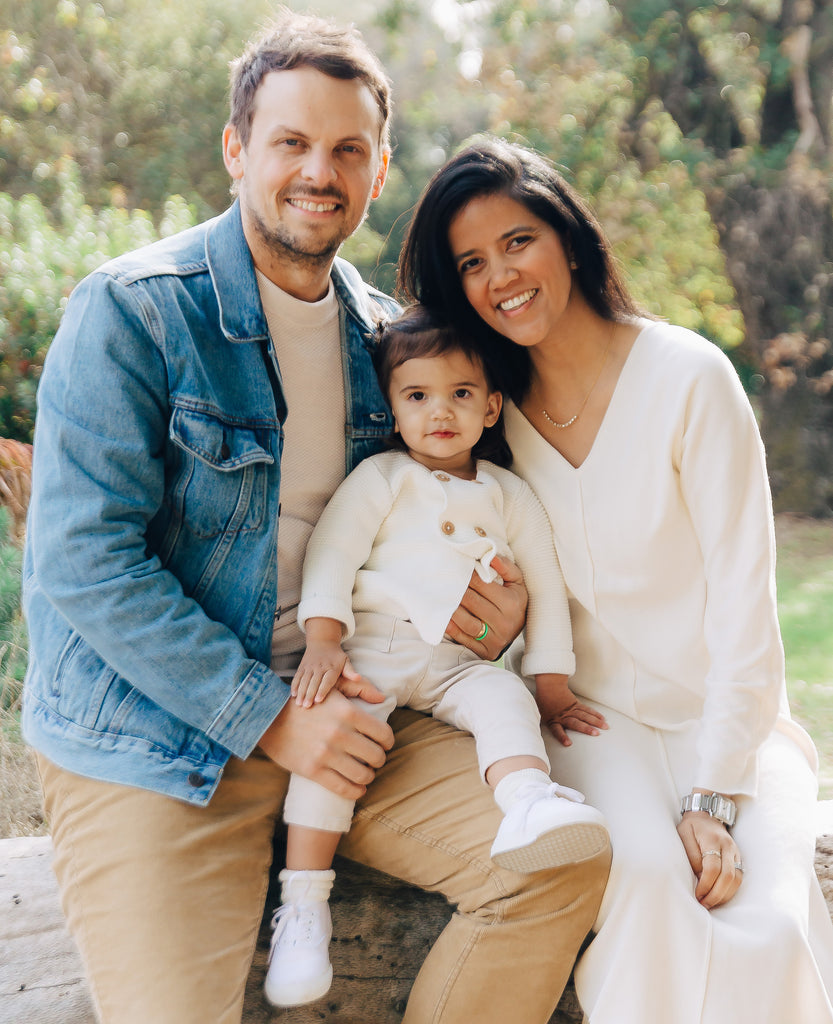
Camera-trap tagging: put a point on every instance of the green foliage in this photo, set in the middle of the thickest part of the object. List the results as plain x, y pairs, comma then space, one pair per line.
41, 259
134, 96
674, 119
636, 171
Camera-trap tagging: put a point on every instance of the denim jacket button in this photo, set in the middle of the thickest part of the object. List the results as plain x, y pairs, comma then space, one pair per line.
196, 779
225, 451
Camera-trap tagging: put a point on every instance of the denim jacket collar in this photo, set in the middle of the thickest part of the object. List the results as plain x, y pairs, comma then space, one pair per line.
238, 295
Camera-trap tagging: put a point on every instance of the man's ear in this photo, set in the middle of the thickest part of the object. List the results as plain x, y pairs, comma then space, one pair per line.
381, 174
233, 152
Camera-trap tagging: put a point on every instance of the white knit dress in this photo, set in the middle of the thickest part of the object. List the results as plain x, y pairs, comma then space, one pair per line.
666, 542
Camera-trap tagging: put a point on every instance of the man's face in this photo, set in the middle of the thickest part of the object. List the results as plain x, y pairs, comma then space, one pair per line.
312, 164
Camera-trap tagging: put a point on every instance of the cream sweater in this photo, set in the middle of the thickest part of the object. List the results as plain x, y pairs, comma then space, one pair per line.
666, 541
399, 539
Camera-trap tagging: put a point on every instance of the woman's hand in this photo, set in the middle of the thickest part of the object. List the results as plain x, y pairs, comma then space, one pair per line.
500, 608
714, 857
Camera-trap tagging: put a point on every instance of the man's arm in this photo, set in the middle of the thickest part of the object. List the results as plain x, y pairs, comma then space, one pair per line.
98, 482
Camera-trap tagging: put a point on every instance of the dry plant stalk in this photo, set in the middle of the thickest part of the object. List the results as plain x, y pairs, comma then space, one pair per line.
15, 481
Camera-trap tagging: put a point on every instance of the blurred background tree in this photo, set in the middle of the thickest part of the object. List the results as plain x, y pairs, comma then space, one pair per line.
700, 133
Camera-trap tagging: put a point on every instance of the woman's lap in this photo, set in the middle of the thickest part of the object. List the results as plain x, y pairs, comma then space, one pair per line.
710, 960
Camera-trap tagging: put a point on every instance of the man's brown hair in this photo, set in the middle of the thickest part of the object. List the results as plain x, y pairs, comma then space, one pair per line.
294, 40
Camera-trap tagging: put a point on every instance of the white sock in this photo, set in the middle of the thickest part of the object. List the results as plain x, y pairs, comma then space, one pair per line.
306, 886
506, 791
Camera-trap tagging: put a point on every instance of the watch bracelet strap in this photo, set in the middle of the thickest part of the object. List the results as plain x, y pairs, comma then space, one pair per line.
714, 804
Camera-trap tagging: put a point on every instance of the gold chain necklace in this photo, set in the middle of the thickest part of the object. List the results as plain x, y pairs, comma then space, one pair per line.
572, 420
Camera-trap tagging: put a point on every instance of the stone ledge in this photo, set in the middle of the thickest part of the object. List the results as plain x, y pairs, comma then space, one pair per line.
382, 931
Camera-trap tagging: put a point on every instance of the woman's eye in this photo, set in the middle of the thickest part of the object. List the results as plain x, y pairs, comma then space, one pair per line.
468, 265
519, 240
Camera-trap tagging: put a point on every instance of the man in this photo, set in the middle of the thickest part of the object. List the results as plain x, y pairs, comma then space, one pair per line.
201, 401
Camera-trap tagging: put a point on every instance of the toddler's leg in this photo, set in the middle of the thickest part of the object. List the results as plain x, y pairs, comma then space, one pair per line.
299, 962
544, 825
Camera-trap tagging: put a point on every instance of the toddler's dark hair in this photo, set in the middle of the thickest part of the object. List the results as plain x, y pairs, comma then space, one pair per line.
420, 333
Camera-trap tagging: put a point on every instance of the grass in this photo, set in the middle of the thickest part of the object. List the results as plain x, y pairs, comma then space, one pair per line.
20, 812
805, 603
805, 608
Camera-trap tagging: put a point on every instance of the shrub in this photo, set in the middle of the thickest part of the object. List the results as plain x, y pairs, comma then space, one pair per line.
41, 259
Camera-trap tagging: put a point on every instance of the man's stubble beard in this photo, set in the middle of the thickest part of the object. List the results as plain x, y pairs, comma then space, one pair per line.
285, 246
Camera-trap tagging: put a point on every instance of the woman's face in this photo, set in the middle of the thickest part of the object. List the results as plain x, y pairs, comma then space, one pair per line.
513, 268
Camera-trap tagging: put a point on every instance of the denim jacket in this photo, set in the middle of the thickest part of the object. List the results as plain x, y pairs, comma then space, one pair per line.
150, 571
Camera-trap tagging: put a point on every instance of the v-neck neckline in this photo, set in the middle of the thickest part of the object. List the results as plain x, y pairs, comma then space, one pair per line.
609, 412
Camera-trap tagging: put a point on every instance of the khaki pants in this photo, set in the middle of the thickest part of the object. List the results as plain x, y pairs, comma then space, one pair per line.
165, 900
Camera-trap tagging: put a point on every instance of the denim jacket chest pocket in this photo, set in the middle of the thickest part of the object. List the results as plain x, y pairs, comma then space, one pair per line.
220, 474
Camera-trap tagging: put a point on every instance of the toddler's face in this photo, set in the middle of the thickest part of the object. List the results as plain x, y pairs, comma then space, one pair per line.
442, 404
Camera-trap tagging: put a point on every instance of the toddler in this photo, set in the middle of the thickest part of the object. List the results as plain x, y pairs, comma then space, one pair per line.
387, 564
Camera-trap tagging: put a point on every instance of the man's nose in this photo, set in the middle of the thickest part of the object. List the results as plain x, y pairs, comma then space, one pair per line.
318, 168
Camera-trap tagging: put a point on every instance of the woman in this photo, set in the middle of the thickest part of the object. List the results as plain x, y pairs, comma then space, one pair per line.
642, 446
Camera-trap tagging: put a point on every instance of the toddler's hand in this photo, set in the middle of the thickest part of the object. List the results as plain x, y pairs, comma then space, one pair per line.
563, 711
319, 671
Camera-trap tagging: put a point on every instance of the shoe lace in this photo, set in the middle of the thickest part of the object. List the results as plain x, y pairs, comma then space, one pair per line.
292, 924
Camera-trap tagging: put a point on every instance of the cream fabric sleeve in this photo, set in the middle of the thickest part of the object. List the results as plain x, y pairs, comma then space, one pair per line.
548, 638
341, 543
724, 483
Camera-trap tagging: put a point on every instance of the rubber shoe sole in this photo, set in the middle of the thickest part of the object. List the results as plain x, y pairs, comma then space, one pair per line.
298, 993
564, 844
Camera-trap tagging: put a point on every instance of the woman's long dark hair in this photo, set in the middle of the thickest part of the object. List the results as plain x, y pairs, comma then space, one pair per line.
428, 271
420, 333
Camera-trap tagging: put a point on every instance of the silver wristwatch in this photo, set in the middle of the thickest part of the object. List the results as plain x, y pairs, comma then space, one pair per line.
720, 807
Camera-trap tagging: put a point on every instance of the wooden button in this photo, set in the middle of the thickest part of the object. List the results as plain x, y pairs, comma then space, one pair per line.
480, 531
448, 527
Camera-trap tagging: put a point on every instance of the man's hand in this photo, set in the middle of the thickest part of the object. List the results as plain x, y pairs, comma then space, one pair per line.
334, 743
501, 608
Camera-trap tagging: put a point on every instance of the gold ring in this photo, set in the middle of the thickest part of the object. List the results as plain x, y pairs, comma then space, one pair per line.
483, 633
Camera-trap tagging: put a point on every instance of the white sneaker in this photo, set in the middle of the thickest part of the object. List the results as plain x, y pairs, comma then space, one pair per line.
299, 963
548, 826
